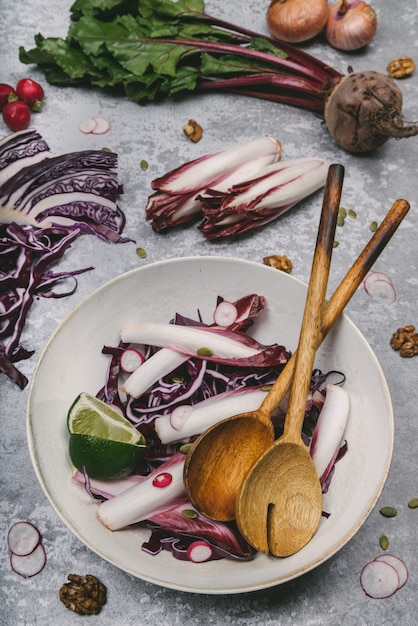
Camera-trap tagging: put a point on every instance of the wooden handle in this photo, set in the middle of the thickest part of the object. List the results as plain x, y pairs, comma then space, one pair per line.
341, 297
362, 265
315, 298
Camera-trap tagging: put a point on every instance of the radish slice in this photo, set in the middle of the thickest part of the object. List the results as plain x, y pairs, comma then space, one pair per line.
199, 552
379, 579
101, 125
30, 564
162, 480
179, 415
22, 538
87, 126
399, 566
130, 360
379, 285
225, 314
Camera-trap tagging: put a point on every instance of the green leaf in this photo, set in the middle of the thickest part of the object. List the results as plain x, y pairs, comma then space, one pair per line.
104, 9
137, 57
167, 8
206, 32
229, 65
56, 51
185, 80
264, 45
93, 36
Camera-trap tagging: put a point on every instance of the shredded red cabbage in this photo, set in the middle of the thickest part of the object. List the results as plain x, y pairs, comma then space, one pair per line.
25, 254
46, 202
176, 526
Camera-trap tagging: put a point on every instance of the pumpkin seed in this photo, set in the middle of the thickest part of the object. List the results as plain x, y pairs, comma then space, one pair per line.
373, 226
204, 352
141, 253
413, 504
388, 511
384, 542
189, 513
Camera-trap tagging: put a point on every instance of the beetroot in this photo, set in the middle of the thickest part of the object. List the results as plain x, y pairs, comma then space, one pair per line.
364, 110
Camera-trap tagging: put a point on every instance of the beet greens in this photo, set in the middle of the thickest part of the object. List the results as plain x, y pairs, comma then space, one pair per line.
154, 49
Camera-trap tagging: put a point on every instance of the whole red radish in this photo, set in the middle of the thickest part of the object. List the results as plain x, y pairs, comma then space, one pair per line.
16, 115
31, 93
6, 91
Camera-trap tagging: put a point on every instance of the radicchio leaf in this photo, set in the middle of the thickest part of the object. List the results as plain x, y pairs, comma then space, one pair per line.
182, 520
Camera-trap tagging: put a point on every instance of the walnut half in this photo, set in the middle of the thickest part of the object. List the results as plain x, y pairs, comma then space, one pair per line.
84, 595
405, 339
401, 68
279, 262
193, 131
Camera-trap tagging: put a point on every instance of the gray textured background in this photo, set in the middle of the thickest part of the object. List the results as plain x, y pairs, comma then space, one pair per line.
331, 594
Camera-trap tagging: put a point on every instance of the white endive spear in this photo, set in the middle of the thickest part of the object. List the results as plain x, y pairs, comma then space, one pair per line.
274, 190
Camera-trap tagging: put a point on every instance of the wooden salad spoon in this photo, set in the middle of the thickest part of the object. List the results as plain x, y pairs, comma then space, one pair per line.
279, 503
220, 457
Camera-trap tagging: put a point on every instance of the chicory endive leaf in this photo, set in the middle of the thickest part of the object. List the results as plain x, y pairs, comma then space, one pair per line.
253, 203
176, 194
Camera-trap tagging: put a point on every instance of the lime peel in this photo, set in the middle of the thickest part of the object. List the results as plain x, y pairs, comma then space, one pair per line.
104, 459
89, 415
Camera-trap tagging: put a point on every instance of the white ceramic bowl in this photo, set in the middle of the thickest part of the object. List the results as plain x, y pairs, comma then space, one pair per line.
72, 362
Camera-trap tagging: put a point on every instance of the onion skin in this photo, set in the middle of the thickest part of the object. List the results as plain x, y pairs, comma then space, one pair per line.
351, 25
364, 110
295, 21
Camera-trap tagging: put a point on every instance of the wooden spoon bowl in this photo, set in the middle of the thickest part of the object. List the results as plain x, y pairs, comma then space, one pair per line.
280, 505
216, 471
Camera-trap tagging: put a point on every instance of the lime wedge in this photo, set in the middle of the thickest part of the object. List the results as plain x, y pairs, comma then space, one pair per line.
90, 416
104, 459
